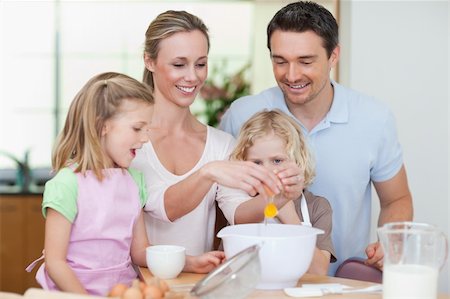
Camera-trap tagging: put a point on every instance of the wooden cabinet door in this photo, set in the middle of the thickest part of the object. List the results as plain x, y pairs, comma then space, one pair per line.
21, 240
35, 229
12, 244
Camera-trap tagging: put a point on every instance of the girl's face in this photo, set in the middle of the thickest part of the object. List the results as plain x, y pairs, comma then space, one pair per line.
181, 68
269, 151
126, 131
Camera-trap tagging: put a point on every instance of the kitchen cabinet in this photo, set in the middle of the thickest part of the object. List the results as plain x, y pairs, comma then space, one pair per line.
22, 229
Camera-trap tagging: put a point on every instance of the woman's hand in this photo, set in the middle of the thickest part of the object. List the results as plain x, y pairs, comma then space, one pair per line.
204, 263
243, 175
293, 180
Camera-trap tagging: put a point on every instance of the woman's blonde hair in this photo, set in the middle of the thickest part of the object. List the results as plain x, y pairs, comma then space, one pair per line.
280, 124
98, 100
165, 25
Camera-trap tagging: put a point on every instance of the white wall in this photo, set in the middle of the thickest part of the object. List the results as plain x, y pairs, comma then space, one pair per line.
398, 51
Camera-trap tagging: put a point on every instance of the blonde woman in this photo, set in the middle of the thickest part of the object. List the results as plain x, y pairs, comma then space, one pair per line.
186, 162
272, 139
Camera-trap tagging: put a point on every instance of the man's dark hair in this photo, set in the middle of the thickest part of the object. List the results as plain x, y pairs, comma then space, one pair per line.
304, 16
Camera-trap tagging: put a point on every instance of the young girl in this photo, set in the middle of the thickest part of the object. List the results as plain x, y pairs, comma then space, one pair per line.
272, 139
94, 227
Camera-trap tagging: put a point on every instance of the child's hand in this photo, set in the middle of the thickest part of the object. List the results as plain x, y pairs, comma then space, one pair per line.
204, 263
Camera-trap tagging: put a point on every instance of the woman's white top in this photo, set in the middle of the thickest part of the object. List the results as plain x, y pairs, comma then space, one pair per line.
195, 230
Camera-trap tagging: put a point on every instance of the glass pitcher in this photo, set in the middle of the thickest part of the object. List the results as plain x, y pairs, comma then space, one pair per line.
414, 253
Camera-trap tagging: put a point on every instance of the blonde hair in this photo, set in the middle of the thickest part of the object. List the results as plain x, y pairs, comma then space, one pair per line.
98, 100
280, 124
165, 25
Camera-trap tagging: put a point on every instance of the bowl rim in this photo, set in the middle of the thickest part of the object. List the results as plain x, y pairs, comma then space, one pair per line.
201, 288
223, 233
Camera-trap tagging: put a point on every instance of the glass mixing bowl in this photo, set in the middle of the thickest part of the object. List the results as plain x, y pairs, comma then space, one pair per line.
235, 278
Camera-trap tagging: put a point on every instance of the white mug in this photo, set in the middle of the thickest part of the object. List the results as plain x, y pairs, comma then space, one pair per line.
165, 261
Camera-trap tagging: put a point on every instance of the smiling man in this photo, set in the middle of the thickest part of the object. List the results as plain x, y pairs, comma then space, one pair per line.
352, 136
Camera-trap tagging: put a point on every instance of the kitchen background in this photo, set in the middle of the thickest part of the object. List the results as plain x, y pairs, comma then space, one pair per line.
397, 51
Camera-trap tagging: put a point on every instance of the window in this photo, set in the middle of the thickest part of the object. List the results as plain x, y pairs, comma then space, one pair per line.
49, 49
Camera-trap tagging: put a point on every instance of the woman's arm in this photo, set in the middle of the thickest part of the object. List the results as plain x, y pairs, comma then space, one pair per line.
139, 242
183, 197
57, 234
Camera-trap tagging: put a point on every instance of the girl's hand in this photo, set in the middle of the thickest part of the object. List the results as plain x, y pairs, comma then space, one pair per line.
292, 177
204, 263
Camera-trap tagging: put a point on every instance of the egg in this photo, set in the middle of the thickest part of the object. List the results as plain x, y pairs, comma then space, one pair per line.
163, 286
132, 293
117, 290
268, 191
271, 210
152, 292
142, 286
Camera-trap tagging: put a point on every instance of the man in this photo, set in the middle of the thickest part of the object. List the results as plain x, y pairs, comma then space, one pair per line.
353, 137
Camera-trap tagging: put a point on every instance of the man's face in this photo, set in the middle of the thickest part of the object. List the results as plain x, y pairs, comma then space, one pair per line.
301, 65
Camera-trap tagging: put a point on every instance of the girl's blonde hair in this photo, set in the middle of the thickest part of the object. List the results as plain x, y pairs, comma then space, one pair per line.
100, 98
280, 124
165, 25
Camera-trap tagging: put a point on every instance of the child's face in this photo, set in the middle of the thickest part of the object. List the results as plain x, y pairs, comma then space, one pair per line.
126, 132
269, 151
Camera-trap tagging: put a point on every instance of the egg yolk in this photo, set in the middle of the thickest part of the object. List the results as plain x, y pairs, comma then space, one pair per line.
271, 210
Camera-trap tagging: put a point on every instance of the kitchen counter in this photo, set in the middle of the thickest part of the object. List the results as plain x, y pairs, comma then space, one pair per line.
192, 278
17, 190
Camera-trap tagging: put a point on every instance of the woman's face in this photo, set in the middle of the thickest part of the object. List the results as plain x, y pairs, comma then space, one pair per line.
181, 67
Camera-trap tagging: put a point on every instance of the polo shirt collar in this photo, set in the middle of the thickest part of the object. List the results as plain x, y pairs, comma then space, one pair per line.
339, 109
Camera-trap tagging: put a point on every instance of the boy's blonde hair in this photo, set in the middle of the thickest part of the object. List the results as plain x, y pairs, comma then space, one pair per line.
280, 124
100, 98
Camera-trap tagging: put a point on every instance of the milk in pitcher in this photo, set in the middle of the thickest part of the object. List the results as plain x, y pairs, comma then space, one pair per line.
409, 281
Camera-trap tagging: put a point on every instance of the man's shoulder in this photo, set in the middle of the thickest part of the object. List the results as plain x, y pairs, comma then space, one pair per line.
360, 102
264, 99
356, 97
245, 107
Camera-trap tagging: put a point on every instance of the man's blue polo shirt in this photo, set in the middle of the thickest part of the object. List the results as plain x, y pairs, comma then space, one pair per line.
354, 144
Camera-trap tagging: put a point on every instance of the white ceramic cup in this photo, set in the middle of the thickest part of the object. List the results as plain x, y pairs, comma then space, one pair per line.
165, 261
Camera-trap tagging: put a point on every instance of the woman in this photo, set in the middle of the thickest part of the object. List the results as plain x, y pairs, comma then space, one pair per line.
186, 163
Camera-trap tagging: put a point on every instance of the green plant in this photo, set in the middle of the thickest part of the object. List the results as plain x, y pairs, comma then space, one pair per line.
218, 97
